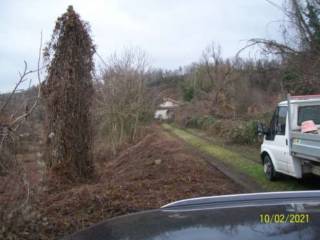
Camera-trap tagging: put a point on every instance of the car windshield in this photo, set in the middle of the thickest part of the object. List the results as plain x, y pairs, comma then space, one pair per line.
309, 113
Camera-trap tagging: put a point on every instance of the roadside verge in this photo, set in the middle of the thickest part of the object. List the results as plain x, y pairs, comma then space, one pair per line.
247, 173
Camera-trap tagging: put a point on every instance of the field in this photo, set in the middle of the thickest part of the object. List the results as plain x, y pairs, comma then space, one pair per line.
154, 171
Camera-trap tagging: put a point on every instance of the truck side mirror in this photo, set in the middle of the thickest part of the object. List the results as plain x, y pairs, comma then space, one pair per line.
261, 129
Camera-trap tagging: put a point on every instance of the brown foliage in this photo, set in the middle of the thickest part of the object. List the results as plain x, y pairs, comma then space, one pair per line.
68, 91
155, 171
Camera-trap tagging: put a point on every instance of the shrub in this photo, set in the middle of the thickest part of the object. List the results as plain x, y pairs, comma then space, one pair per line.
234, 131
207, 121
203, 122
244, 133
188, 93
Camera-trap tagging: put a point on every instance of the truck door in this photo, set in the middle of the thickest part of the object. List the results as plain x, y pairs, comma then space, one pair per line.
277, 141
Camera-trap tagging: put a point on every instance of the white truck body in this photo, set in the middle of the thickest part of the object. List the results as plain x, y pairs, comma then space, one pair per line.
292, 152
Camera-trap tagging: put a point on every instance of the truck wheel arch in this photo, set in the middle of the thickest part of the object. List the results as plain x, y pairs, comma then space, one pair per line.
266, 152
263, 154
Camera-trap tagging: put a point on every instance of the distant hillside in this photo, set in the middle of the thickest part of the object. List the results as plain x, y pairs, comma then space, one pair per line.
20, 102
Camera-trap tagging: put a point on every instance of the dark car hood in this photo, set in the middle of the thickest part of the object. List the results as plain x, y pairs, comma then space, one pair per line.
210, 221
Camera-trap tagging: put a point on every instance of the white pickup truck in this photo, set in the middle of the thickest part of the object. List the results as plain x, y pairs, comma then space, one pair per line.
285, 149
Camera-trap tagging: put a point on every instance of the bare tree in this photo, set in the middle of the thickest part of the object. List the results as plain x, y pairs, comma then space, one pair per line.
123, 99
300, 48
9, 122
219, 72
14, 185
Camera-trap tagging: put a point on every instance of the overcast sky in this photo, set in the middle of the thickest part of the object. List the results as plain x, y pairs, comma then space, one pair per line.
173, 33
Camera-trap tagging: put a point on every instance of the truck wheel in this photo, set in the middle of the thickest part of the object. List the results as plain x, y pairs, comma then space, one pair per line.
268, 168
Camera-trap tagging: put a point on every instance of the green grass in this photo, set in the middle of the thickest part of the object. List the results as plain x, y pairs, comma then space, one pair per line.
234, 159
246, 151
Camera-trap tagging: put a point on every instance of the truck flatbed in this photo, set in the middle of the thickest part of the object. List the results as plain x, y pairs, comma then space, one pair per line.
305, 146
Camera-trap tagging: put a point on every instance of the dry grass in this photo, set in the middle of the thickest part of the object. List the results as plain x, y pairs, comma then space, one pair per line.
154, 171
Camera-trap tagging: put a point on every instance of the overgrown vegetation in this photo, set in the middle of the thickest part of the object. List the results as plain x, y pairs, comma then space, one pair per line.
222, 94
225, 88
233, 131
299, 51
15, 188
68, 92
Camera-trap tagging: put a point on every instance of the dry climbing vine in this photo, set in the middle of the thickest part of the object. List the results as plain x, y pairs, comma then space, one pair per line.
68, 92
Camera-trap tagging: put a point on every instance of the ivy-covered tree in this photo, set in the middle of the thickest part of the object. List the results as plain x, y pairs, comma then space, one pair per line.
67, 92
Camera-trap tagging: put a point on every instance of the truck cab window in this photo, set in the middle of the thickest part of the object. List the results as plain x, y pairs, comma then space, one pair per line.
271, 133
278, 123
281, 121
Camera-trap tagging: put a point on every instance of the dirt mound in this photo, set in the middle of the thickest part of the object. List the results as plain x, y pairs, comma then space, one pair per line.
153, 172
161, 169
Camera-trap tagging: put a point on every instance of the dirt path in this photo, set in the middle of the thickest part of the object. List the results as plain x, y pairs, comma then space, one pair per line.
240, 178
245, 172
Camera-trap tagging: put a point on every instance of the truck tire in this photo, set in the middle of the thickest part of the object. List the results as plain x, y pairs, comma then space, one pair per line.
268, 168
